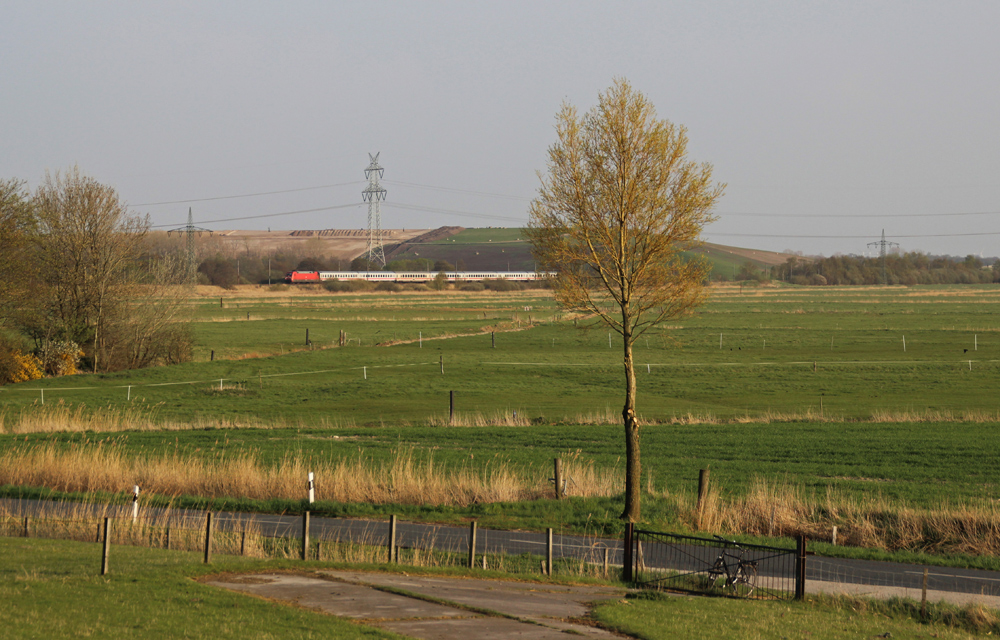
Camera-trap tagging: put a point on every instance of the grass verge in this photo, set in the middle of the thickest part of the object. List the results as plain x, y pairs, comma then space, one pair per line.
51, 589
653, 616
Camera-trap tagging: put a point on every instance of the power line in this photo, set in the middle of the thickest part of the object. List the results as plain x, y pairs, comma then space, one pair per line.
248, 195
863, 237
452, 212
858, 215
454, 190
268, 215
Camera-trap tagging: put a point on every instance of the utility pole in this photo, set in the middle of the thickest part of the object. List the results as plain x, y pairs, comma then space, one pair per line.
373, 194
882, 244
189, 231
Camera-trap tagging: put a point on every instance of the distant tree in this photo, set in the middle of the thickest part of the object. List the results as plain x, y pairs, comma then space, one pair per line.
16, 224
443, 265
85, 248
618, 205
311, 264
440, 281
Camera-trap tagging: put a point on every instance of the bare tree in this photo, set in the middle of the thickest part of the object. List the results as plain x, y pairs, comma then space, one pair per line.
16, 222
86, 244
618, 206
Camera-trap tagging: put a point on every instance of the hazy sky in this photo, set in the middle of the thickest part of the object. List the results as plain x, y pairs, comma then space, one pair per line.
829, 121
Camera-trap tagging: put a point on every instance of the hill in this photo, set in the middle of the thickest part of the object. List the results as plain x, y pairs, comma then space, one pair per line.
486, 248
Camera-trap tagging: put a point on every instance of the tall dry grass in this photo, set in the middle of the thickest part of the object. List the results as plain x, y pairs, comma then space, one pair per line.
871, 521
403, 479
63, 417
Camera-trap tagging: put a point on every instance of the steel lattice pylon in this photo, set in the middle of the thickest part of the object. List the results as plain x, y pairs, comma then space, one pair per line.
373, 195
882, 244
190, 230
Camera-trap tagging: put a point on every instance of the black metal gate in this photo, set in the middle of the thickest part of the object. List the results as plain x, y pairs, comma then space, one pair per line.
715, 565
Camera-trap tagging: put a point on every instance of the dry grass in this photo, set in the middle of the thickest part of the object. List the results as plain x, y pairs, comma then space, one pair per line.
103, 466
871, 521
66, 418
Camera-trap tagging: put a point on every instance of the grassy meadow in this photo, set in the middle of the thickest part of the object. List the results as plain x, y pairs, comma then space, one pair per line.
826, 400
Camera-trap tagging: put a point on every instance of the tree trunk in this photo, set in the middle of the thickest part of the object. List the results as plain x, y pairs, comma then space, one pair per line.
632, 470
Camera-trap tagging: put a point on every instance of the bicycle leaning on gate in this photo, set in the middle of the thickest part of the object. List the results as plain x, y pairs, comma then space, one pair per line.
740, 574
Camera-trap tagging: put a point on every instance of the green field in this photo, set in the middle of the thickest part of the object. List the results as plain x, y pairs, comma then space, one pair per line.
810, 386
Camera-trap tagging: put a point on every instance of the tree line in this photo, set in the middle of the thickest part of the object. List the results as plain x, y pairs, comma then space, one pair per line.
78, 290
911, 268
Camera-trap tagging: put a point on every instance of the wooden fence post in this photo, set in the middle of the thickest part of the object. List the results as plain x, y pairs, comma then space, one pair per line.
702, 493
393, 555
558, 478
208, 538
451, 407
106, 547
472, 544
305, 535
548, 552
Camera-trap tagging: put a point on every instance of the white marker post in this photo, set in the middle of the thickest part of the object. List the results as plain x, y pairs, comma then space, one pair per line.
904, 344
364, 370
312, 487
135, 503
129, 398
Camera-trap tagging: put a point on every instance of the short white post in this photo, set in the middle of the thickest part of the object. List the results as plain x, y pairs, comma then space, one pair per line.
976, 342
648, 370
43, 395
129, 393
135, 503
420, 334
720, 340
365, 371
220, 384
312, 487
904, 344
609, 339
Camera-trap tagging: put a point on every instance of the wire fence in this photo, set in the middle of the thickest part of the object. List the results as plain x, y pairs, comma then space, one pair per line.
328, 540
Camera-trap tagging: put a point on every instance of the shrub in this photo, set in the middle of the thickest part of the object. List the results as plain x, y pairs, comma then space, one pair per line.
473, 286
502, 285
388, 286
16, 365
60, 357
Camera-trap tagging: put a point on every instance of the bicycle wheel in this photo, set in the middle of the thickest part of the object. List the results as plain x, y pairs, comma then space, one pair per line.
745, 580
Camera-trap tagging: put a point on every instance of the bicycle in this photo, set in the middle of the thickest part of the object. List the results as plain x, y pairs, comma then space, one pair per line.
740, 574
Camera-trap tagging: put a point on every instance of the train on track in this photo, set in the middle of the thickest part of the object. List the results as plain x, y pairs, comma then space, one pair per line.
307, 277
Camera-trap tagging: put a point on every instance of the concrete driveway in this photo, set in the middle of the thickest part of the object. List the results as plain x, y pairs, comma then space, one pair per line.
432, 607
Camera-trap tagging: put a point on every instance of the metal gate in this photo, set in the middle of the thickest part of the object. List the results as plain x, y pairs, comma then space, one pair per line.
715, 565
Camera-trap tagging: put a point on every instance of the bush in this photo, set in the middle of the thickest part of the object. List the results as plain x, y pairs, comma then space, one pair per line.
60, 357
473, 286
388, 286
347, 286
16, 365
502, 285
